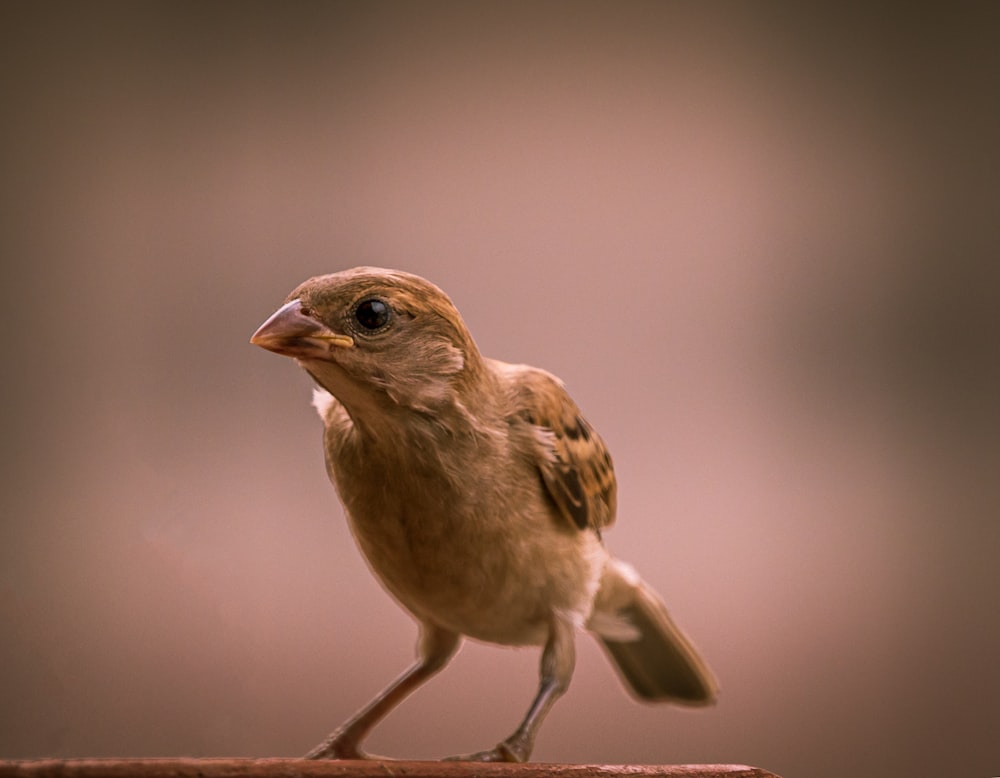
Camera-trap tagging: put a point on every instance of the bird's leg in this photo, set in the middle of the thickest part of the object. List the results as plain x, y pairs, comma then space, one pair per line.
435, 648
558, 660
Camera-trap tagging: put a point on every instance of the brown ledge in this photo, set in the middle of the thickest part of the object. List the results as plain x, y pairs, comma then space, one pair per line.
301, 768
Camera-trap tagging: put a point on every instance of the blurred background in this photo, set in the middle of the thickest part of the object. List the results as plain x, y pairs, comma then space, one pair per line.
759, 242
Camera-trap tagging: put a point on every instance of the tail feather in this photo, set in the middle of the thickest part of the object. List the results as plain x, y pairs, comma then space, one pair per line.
654, 658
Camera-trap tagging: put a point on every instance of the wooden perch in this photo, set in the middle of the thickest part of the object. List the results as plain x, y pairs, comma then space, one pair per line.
300, 768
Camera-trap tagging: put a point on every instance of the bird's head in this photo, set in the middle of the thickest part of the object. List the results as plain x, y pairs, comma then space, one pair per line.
370, 335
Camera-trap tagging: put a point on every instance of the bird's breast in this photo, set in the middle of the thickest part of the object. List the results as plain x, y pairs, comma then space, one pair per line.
484, 556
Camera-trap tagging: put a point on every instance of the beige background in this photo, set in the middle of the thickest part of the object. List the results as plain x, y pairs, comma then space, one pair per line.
758, 243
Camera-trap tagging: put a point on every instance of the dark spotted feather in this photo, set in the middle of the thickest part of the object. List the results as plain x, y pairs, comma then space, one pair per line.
573, 461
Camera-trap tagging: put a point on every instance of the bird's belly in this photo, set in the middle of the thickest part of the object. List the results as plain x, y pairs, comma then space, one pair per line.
502, 583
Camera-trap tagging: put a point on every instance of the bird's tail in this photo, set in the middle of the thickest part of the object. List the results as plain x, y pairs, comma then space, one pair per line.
654, 658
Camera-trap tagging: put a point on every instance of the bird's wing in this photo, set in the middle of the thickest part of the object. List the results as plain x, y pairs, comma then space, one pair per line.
573, 461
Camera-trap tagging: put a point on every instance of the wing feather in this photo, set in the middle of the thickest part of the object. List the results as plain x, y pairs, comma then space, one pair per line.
572, 459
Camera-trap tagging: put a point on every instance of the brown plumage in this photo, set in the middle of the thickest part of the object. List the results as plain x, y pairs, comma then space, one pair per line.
477, 492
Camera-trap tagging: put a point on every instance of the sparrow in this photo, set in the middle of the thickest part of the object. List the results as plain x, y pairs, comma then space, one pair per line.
478, 494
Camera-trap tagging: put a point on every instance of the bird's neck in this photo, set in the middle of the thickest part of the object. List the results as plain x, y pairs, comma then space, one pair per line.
463, 408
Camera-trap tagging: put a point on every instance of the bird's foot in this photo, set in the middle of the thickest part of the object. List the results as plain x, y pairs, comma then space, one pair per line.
508, 751
338, 747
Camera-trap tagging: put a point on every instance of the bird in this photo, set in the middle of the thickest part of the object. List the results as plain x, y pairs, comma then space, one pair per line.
478, 494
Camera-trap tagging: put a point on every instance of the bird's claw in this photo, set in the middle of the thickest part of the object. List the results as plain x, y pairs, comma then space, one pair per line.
503, 752
337, 748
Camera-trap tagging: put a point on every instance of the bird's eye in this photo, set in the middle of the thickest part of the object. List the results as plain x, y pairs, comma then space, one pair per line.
372, 314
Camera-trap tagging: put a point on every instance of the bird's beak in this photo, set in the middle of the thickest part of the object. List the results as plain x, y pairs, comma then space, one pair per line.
292, 332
